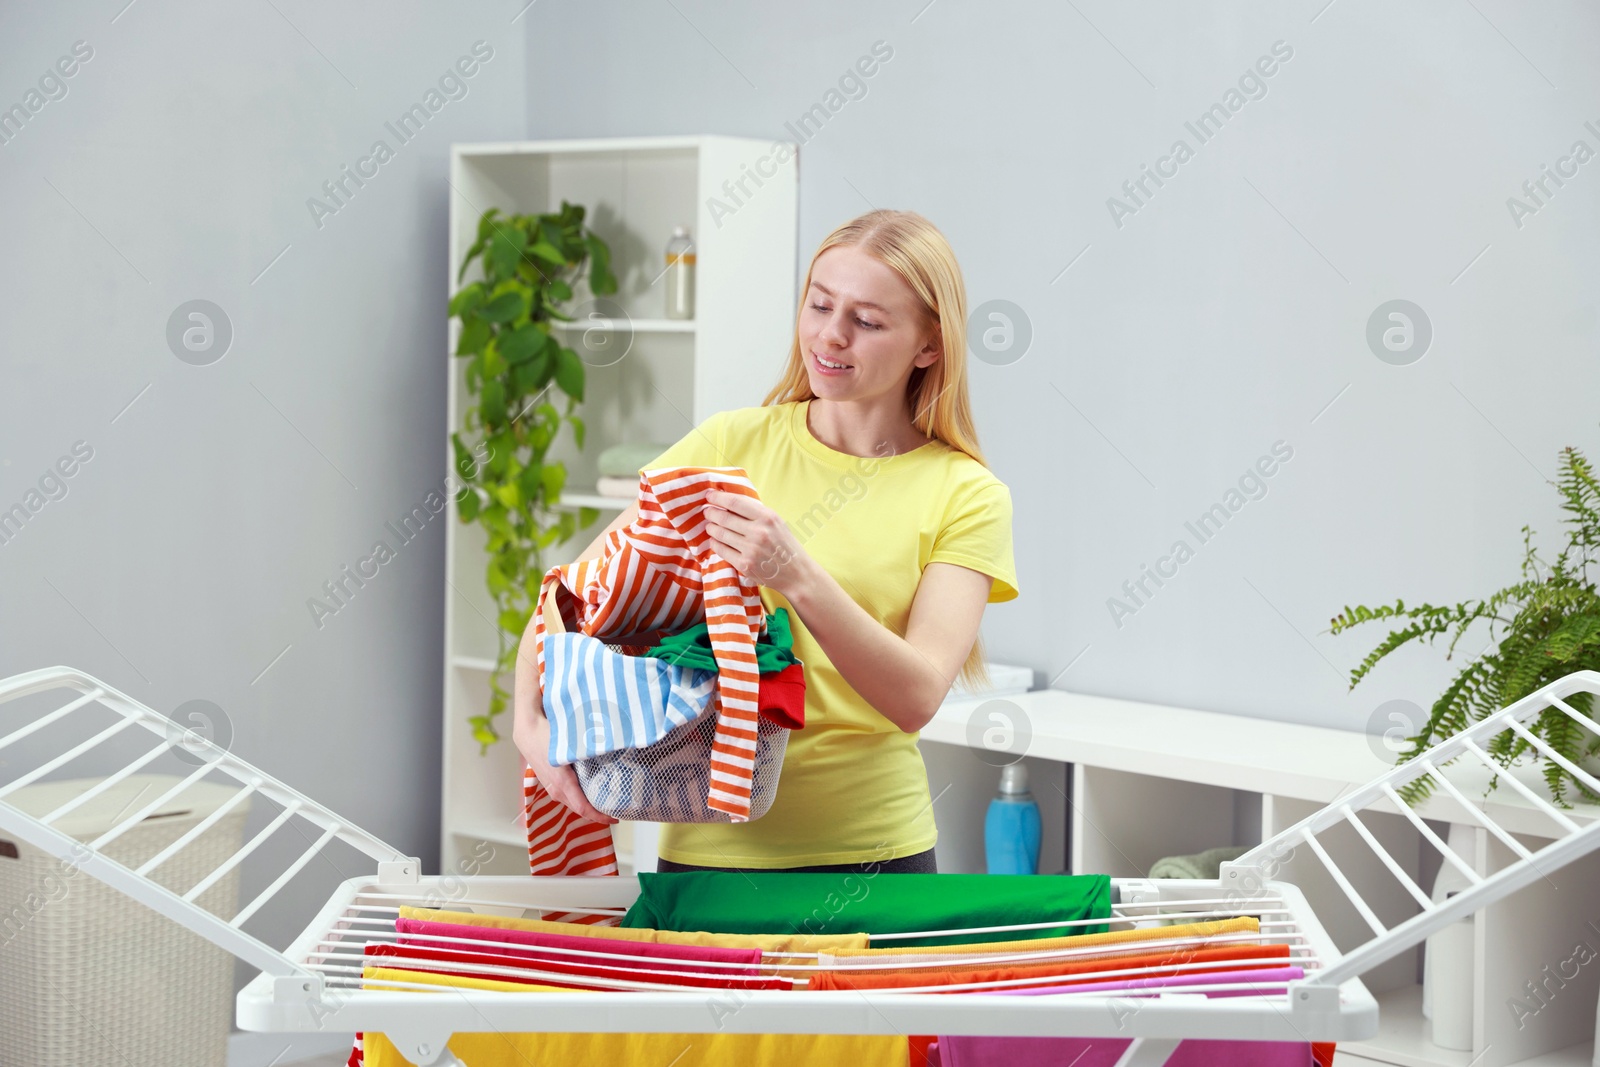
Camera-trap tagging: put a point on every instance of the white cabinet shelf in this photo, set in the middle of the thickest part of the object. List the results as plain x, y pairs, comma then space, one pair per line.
672, 376
636, 325
594, 500
1148, 781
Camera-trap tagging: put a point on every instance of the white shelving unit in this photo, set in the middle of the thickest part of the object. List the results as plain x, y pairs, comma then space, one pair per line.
674, 375
1149, 781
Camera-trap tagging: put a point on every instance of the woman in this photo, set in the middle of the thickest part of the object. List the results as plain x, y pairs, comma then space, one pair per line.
880, 530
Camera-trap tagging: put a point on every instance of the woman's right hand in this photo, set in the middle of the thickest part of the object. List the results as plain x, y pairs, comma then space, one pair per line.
531, 733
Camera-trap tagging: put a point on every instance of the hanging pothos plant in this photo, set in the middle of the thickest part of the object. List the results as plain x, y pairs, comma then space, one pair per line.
529, 263
1547, 625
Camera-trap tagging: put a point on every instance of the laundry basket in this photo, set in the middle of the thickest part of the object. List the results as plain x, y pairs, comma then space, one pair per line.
89, 976
668, 780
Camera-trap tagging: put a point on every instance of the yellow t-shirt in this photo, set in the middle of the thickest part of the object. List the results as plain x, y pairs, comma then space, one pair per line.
853, 787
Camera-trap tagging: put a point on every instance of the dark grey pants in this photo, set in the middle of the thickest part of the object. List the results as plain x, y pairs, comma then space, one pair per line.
920, 863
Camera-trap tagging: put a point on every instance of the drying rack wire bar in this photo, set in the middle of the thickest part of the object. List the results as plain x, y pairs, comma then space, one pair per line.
90, 697
1433, 766
314, 984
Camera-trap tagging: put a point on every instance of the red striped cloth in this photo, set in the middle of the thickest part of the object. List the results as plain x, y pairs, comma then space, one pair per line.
659, 573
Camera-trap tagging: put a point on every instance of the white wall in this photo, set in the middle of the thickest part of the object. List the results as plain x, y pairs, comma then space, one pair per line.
1223, 316
178, 565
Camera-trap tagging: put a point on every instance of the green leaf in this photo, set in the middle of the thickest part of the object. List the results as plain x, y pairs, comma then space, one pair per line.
474, 335
466, 261
554, 476
530, 377
601, 280
586, 516
467, 506
486, 223
466, 299
521, 343
493, 404
502, 445
548, 252
505, 249
569, 373
494, 364
550, 232
577, 430
531, 481
560, 290
505, 307
513, 621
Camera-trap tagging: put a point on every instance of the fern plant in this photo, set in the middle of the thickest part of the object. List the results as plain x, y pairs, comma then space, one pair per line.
529, 264
1543, 627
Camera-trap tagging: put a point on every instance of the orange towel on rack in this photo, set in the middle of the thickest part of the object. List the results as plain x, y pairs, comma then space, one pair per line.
658, 573
1220, 958
678, 1050
938, 954
782, 944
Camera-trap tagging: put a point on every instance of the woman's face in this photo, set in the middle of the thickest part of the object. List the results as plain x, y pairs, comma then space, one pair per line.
861, 314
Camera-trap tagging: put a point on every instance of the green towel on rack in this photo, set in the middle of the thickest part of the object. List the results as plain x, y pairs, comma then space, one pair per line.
788, 902
692, 647
1203, 865
625, 461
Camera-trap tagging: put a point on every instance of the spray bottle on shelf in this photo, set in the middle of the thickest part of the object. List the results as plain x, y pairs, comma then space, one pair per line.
680, 275
1011, 827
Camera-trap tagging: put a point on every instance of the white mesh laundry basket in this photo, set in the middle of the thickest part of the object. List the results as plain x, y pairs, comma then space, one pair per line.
669, 780
88, 975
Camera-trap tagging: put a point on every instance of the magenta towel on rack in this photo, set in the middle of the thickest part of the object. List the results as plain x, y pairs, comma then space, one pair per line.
672, 957
1269, 979
1104, 1052
961, 1051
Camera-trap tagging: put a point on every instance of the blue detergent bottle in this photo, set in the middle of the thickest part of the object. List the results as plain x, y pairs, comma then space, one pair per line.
1011, 827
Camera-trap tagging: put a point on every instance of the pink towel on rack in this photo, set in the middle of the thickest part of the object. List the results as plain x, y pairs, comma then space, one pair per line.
658, 573
662, 957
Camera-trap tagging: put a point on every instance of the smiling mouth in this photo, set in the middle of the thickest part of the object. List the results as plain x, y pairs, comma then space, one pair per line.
830, 364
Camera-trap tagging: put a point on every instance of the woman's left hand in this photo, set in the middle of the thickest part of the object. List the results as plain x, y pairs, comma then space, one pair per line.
755, 539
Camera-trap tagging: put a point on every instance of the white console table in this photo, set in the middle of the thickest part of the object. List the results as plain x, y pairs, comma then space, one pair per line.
1148, 781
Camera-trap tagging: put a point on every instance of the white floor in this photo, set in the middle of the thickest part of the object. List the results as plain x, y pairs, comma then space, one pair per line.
282, 1050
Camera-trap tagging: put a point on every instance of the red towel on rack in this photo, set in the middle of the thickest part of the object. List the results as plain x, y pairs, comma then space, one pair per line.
658, 573
413, 956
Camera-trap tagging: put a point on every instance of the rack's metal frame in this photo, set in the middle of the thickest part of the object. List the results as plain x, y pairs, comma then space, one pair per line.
297, 991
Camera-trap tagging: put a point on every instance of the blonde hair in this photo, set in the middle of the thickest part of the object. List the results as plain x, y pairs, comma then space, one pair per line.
913, 248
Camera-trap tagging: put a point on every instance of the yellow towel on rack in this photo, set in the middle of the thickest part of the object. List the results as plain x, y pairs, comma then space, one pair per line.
679, 1050
779, 943
938, 954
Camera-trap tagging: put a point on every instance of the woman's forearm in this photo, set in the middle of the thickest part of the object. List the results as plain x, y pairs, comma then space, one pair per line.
888, 671
525, 700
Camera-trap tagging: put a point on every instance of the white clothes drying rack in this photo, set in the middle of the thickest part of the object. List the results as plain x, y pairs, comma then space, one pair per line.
309, 985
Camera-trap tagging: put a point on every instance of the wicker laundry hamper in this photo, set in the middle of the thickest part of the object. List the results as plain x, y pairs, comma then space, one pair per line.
88, 976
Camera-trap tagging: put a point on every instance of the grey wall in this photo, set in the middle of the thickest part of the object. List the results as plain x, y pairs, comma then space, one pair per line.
1228, 312
178, 564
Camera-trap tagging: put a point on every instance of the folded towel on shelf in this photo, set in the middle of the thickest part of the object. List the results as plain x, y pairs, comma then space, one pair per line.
619, 487
1204, 865
627, 460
